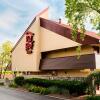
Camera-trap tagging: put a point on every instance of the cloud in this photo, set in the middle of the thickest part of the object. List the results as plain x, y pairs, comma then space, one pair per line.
3, 38
16, 15
8, 19
57, 8
24, 5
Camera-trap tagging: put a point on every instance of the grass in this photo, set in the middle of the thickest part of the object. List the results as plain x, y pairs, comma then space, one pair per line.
93, 98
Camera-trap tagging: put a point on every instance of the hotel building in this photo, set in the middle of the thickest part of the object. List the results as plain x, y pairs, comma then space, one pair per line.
47, 48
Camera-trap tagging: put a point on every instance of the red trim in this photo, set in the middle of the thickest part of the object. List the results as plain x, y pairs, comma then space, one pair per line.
92, 34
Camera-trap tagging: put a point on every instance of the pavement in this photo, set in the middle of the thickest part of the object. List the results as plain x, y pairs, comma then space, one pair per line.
11, 94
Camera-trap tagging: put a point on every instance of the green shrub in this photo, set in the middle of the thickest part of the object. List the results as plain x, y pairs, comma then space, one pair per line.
31, 88
78, 87
27, 86
93, 98
94, 75
37, 89
13, 85
19, 80
1, 83
52, 86
44, 91
64, 92
39, 82
54, 90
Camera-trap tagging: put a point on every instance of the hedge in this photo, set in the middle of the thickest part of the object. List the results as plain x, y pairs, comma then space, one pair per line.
93, 98
19, 81
72, 86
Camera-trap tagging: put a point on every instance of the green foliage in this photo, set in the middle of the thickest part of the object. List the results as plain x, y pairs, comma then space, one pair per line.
96, 76
5, 56
19, 81
45, 86
5, 53
77, 12
35, 89
54, 90
93, 98
1, 83
39, 82
78, 49
27, 86
64, 92
13, 85
78, 87
44, 91
93, 79
38, 89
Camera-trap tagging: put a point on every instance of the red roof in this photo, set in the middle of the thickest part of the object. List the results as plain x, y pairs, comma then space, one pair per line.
65, 30
92, 34
89, 33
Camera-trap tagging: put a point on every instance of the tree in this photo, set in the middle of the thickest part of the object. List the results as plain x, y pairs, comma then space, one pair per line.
78, 11
5, 55
93, 81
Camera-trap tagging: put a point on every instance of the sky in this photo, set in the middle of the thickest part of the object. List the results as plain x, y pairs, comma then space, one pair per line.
16, 15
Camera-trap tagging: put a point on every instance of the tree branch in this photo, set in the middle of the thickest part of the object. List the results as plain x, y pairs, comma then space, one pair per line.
90, 6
